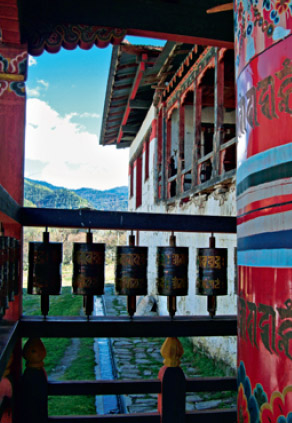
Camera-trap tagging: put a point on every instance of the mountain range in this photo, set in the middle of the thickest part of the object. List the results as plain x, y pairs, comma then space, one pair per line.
43, 194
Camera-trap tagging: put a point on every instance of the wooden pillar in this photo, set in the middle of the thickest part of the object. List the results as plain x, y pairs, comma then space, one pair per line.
218, 112
34, 407
164, 156
13, 69
12, 128
157, 154
171, 401
180, 157
197, 113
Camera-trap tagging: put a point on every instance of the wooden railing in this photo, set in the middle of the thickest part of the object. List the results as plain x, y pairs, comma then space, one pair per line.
205, 176
171, 385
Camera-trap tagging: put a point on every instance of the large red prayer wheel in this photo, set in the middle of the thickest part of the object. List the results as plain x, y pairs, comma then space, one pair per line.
263, 56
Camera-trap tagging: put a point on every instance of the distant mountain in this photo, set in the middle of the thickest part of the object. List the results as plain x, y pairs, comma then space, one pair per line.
43, 194
44, 184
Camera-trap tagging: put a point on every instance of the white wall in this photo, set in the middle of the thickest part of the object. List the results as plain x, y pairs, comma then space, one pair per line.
216, 203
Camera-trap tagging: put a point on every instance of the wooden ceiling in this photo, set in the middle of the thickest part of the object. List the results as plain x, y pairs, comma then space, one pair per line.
175, 20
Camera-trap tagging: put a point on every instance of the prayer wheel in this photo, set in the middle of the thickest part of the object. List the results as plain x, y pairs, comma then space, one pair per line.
44, 276
172, 272
131, 272
212, 273
88, 271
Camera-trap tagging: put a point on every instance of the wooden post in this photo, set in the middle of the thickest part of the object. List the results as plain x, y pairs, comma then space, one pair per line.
12, 130
34, 383
219, 112
180, 157
164, 156
171, 401
197, 109
157, 160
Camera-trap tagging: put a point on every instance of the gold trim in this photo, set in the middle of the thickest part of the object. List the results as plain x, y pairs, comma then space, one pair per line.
11, 77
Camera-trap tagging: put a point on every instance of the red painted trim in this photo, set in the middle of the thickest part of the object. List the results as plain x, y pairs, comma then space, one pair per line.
266, 202
168, 141
141, 70
120, 136
181, 130
154, 129
146, 158
265, 212
126, 115
180, 38
171, 109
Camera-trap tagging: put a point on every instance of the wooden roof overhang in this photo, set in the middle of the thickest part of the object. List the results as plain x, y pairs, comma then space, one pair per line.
174, 20
129, 92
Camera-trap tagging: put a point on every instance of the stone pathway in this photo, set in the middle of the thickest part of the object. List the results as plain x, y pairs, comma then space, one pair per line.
140, 358
70, 355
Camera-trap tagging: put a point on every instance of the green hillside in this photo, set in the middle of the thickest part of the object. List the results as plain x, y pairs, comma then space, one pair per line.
43, 194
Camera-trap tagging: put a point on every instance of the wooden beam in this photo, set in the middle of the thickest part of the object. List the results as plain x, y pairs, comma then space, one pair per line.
63, 218
150, 386
184, 21
107, 418
132, 95
126, 327
130, 129
8, 206
139, 104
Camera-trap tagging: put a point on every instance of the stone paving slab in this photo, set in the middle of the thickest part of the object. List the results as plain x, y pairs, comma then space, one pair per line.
140, 358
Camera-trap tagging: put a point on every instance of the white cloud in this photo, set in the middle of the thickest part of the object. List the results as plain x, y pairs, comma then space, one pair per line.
71, 115
89, 115
36, 91
45, 84
33, 92
32, 61
72, 155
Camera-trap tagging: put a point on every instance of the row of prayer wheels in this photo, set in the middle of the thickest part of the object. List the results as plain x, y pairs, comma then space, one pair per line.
9, 270
45, 260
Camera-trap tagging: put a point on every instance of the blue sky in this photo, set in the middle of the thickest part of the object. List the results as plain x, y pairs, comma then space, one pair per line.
65, 97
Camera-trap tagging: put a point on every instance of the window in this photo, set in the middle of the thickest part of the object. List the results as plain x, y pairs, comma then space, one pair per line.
138, 182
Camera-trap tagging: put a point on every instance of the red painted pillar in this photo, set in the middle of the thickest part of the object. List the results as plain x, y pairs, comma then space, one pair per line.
13, 66
263, 56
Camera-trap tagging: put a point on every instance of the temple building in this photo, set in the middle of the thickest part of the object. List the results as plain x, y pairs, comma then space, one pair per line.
178, 121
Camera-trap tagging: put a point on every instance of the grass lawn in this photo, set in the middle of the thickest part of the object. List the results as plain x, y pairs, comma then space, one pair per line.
81, 368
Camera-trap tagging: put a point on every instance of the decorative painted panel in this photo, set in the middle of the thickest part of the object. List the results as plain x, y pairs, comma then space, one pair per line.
258, 25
